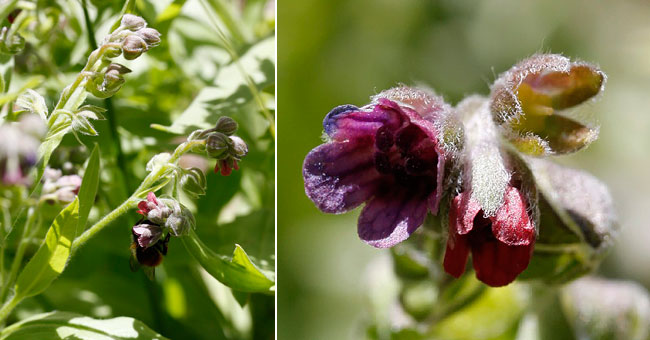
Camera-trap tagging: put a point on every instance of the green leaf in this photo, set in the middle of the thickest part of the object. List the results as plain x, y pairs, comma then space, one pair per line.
65, 325
88, 188
230, 92
81, 124
237, 272
92, 112
52, 256
33, 102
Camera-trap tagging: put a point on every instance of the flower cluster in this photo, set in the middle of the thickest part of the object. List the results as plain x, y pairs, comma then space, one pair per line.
220, 143
407, 150
58, 188
131, 39
163, 217
19, 143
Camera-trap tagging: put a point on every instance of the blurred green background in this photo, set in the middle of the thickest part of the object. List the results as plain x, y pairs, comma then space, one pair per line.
338, 52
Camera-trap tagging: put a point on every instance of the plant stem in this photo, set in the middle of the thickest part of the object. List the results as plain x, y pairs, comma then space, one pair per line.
106, 220
131, 202
7, 308
20, 252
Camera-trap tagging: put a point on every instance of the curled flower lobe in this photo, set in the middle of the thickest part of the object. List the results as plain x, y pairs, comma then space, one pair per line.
501, 245
387, 155
529, 102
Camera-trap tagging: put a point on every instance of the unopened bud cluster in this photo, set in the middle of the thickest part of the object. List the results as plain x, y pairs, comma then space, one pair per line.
220, 143
131, 39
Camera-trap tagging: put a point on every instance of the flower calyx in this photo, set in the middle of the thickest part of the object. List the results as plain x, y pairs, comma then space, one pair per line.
223, 145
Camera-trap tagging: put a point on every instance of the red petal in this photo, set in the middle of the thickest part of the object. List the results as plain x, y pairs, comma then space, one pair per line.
511, 224
496, 263
462, 213
456, 253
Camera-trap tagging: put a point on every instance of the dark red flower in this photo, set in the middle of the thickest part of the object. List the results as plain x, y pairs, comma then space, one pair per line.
501, 245
387, 155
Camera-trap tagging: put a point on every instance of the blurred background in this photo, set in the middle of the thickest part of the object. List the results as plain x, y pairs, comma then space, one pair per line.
341, 52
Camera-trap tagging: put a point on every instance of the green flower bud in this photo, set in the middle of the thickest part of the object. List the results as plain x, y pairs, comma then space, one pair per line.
112, 52
239, 148
133, 46
577, 223
226, 125
193, 182
133, 22
217, 145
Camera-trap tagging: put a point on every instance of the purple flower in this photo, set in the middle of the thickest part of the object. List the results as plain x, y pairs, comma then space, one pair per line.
57, 188
19, 143
386, 154
147, 233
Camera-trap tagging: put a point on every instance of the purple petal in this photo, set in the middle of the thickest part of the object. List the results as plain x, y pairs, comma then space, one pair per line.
391, 218
148, 234
347, 122
339, 176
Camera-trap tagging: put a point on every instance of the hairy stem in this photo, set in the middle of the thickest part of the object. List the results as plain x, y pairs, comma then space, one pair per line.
132, 201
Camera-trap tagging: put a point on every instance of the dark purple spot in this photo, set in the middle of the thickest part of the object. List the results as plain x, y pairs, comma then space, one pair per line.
384, 139
415, 166
382, 163
406, 137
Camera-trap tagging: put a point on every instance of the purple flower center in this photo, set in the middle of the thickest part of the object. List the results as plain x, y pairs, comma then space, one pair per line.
406, 156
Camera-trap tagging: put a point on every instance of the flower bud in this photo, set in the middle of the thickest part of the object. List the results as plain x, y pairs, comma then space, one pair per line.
239, 148
226, 125
133, 46
607, 309
528, 103
154, 209
193, 182
112, 81
150, 36
577, 223
112, 52
121, 69
181, 219
133, 22
217, 144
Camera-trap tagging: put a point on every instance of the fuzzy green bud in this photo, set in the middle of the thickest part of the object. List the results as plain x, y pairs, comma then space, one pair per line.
239, 148
150, 36
217, 145
133, 46
226, 125
193, 182
133, 22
